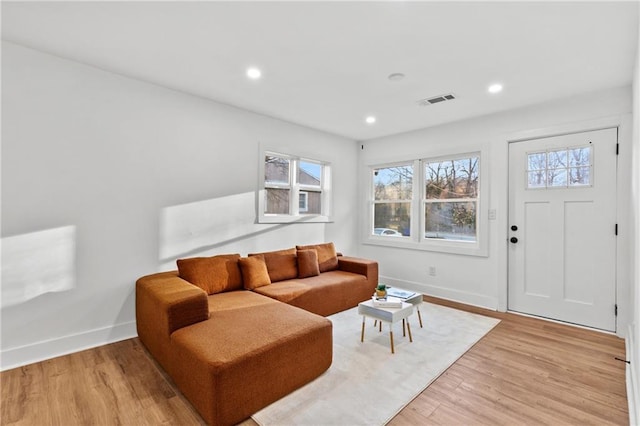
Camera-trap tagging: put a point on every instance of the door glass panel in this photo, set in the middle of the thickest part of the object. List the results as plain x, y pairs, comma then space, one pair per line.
537, 179
537, 161
580, 176
566, 167
557, 159
557, 177
580, 157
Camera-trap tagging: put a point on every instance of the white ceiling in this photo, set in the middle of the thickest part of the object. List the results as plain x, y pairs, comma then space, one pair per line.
325, 64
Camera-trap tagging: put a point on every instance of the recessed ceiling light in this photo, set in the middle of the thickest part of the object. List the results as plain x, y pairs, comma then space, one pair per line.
370, 119
254, 73
495, 88
396, 76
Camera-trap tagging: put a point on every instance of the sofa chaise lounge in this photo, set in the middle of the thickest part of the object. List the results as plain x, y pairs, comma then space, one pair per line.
238, 333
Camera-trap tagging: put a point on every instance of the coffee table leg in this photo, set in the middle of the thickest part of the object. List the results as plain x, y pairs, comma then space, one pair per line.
380, 329
419, 316
362, 334
404, 332
409, 329
391, 338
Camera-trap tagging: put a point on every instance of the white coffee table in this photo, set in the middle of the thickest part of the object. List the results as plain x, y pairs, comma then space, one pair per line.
416, 299
388, 315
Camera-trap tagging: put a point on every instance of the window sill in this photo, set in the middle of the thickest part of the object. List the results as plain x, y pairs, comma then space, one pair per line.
450, 247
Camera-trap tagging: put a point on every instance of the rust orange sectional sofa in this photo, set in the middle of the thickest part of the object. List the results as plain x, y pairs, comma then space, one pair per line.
238, 333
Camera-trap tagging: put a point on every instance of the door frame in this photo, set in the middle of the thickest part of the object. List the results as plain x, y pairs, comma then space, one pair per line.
624, 241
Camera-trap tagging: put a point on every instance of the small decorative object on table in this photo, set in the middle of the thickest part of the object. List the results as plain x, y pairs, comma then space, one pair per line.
381, 291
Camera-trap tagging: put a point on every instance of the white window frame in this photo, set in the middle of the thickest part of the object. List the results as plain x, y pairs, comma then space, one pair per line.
374, 202
417, 240
295, 214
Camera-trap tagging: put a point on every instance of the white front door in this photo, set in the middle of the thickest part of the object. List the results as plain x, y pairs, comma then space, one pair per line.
562, 219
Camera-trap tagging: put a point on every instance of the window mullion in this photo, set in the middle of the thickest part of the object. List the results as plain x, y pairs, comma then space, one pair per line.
294, 205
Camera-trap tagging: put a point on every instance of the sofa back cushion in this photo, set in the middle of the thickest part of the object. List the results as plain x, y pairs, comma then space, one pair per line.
327, 255
308, 263
254, 272
281, 264
212, 274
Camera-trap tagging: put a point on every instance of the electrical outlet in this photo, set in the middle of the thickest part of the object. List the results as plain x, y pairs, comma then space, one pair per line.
432, 271
492, 214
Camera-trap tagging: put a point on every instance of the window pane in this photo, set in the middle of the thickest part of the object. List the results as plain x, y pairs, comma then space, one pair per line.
394, 217
557, 159
313, 202
557, 178
309, 174
580, 156
393, 183
537, 161
452, 179
536, 179
450, 220
580, 176
277, 201
276, 169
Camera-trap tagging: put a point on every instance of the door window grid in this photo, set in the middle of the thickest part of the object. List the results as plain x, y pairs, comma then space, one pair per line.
564, 168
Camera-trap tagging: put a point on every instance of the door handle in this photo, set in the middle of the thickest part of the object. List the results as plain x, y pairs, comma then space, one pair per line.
513, 240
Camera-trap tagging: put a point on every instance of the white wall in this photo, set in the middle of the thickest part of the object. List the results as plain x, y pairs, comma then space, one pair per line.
482, 280
633, 338
114, 178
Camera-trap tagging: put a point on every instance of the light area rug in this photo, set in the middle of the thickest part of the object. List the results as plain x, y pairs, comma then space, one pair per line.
367, 384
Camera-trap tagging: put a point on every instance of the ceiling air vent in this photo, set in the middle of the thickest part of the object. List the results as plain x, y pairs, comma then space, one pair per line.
436, 99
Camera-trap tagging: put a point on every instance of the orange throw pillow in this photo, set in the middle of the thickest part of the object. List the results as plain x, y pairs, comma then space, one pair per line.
254, 272
212, 274
308, 263
327, 255
281, 264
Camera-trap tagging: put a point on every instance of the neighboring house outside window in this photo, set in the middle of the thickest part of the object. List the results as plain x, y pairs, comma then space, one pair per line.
294, 187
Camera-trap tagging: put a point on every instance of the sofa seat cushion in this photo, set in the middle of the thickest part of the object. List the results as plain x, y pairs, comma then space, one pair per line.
234, 300
241, 360
325, 294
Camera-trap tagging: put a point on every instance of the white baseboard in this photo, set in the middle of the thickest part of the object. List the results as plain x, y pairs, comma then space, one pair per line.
467, 298
47, 349
633, 396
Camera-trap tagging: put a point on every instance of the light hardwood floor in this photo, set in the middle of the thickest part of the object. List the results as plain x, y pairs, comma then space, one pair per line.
525, 371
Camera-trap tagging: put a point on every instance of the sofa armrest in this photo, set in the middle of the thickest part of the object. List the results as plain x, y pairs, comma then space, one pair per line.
170, 302
368, 268
165, 303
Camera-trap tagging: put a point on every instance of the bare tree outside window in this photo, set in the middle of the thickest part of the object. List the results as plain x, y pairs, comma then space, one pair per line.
393, 193
277, 182
451, 198
568, 167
